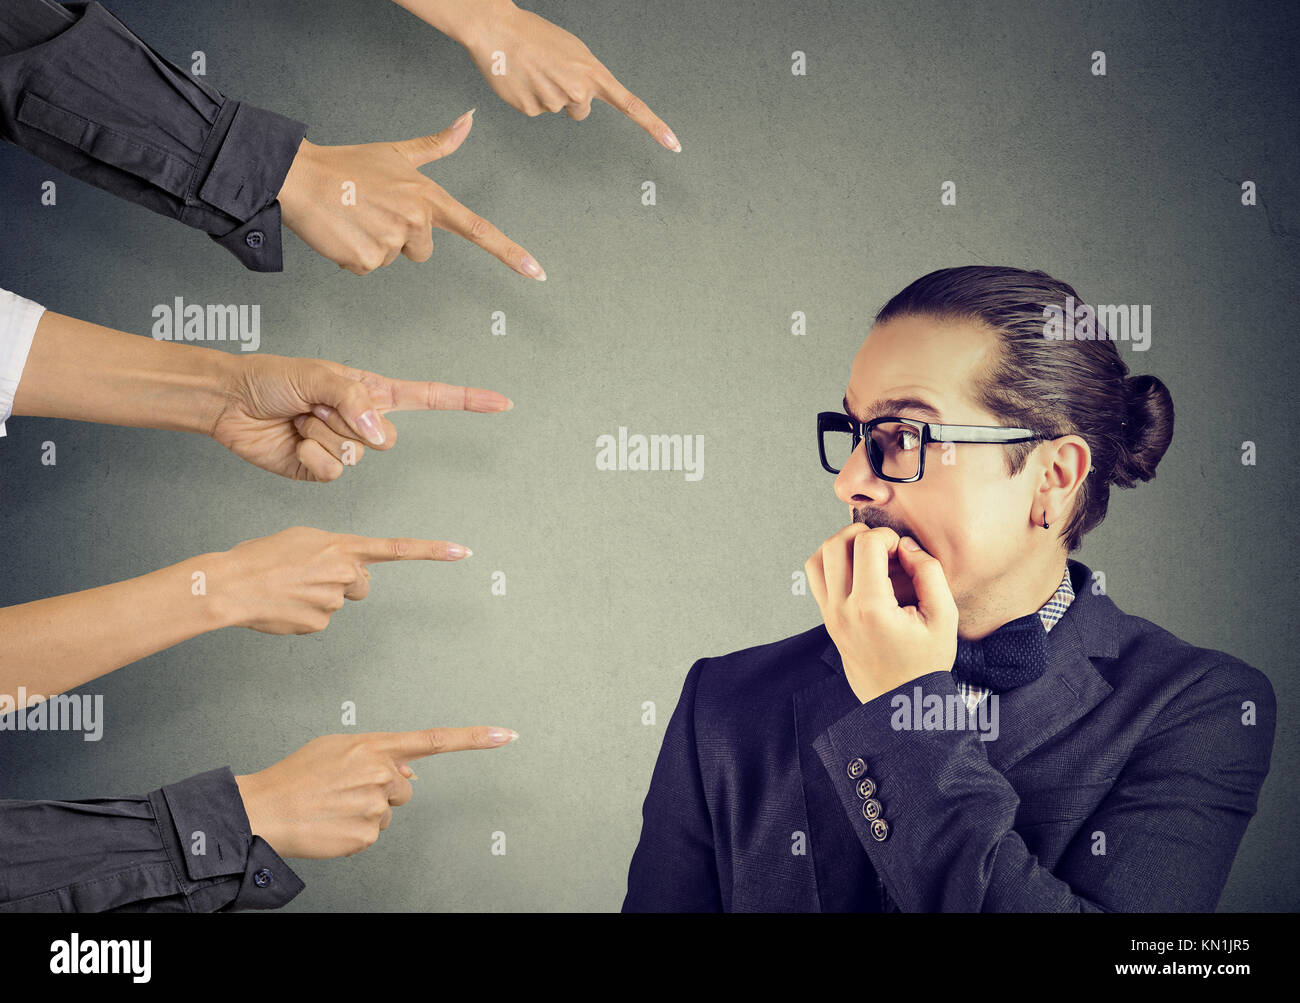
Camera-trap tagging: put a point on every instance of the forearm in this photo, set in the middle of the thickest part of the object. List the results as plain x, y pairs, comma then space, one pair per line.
54, 645
24, 23
952, 842
140, 853
97, 102
947, 842
457, 19
86, 372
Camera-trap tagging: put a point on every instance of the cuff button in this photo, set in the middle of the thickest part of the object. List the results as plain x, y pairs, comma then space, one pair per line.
263, 878
254, 238
871, 809
866, 787
857, 767
879, 830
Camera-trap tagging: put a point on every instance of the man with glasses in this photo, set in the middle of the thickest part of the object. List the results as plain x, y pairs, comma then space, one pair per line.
975, 726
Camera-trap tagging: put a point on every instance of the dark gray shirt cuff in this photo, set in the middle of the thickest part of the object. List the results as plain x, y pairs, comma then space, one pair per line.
98, 103
186, 847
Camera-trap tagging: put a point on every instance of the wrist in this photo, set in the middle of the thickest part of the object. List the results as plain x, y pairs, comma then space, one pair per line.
293, 193
257, 801
462, 21
222, 372
864, 689
179, 387
207, 576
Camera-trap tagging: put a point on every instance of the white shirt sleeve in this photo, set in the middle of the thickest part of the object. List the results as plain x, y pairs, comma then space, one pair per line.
18, 320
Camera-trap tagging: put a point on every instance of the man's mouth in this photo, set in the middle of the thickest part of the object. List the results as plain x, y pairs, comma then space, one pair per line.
898, 578
875, 520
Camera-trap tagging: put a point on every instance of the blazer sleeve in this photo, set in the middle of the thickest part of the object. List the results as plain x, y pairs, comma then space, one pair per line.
673, 868
183, 848
99, 104
1169, 827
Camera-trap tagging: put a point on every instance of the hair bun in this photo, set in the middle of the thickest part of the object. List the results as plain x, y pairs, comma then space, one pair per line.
1148, 428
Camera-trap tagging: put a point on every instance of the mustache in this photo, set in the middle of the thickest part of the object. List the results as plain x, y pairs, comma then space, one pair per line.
876, 519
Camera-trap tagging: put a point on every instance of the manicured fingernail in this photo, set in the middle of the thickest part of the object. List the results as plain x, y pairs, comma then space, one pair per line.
671, 142
368, 422
407, 772
529, 266
509, 404
910, 544
463, 119
321, 412
500, 736
455, 550
298, 419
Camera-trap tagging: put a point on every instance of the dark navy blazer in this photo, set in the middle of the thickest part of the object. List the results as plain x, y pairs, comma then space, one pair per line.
1121, 780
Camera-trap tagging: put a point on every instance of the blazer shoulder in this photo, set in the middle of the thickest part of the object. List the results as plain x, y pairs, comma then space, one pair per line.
1146, 642
769, 670
1183, 680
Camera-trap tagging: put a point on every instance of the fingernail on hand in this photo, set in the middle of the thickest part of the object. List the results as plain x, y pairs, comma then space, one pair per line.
671, 142
321, 412
529, 266
455, 550
910, 544
368, 422
500, 736
463, 119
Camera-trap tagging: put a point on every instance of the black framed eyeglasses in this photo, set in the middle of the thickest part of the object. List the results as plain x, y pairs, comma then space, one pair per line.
896, 446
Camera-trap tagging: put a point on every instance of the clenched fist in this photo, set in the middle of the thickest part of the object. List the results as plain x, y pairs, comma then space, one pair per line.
882, 643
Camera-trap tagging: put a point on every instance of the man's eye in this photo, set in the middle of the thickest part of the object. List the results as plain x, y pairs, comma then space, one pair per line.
908, 439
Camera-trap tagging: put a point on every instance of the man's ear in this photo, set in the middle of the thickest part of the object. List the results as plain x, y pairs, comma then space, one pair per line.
1066, 462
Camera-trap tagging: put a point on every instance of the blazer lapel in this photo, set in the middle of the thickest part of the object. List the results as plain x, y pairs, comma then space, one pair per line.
1070, 687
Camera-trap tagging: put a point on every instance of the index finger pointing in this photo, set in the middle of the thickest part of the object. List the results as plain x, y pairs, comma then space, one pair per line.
614, 93
373, 549
407, 745
453, 217
414, 395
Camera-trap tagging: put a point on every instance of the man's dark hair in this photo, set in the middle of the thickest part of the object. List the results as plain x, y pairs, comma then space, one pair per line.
1055, 387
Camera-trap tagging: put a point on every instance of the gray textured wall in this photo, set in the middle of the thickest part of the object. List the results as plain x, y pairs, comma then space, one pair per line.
816, 193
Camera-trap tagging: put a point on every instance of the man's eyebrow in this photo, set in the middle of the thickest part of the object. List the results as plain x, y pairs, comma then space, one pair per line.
894, 405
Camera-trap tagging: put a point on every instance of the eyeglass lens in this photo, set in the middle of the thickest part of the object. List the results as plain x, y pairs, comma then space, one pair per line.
894, 448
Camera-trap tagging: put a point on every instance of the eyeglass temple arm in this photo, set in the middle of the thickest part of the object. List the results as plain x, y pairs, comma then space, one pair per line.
979, 433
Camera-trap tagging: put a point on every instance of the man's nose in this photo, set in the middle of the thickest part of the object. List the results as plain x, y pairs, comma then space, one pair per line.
857, 482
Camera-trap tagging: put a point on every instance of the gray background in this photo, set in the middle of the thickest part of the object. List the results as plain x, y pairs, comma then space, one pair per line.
815, 193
